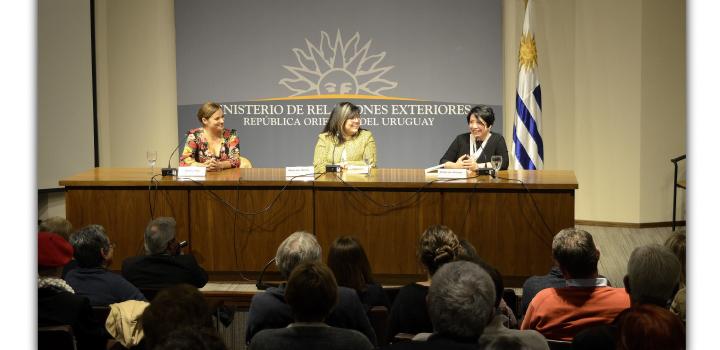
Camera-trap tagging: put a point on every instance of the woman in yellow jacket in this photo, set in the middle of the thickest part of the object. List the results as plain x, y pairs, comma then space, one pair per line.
343, 141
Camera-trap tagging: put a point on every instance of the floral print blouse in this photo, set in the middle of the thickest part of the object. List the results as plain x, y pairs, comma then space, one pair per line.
196, 148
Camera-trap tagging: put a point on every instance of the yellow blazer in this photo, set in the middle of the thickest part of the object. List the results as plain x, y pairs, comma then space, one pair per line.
356, 149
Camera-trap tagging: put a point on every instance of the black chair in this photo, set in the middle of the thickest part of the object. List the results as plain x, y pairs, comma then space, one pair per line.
378, 316
100, 314
56, 338
150, 293
512, 300
559, 344
680, 184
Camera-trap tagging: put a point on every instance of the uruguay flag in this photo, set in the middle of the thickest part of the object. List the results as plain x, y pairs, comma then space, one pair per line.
527, 142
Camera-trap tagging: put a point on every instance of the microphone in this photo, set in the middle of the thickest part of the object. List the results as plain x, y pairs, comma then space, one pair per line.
170, 171
334, 168
260, 285
484, 171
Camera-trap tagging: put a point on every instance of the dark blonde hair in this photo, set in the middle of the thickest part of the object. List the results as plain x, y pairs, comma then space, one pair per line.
349, 263
339, 115
437, 245
207, 110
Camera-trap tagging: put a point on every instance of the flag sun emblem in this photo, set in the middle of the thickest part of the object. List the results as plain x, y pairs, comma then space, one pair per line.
337, 68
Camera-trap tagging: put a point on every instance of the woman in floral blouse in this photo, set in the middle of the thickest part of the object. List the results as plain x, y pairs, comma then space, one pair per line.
212, 145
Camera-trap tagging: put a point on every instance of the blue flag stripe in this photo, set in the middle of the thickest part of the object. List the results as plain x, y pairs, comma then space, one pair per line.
538, 96
527, 119
520, 153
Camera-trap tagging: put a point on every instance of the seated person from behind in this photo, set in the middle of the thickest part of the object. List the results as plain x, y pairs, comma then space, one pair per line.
212, 146
497, 329
311, 292
94, 252
343, 141
269, 309
409, 314
560, 313
57, 303
475, 148
460, 303
653, 276
173, 308
164, 264
63, 227
351, 268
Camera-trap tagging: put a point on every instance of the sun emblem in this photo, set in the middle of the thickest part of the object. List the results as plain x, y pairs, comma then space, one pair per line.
337, 68
528, 51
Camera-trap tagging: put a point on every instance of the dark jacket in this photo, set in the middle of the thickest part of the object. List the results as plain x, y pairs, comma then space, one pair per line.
269, 310
160, 271
58, 307
461, 145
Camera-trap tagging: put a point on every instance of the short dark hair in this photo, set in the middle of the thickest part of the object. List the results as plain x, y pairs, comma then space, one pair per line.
469, 253
181, 305
483, 112
575, 252
311, 292
88, 243
350, 264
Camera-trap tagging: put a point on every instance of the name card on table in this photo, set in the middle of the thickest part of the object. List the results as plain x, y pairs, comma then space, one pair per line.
358, 169
300, 173
191, 173
452, 174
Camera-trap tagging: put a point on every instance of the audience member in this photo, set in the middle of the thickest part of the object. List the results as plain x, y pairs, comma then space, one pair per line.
534, 284
460, 302
311, 293
192, 338
650, 327
270, 310
163, 264
173, 308
58, 225
409, 314
351, 268
94, 252
560, 313
57, 302
496, 333
676, 243
653, 276
468, 252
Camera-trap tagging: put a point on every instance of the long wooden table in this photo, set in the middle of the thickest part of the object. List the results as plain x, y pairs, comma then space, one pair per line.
235, 219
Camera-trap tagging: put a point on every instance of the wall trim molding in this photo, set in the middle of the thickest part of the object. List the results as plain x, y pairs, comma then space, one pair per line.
629, 224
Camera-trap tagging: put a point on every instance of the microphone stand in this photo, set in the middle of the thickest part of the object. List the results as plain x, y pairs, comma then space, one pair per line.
170, 171
260, 285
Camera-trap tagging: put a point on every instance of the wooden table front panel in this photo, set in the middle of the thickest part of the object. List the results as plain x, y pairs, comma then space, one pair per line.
389, 235
225, 241
507, 228
125, 212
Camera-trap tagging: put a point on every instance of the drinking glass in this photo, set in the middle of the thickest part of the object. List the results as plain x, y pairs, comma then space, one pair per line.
496, 163
367, 161
151, 157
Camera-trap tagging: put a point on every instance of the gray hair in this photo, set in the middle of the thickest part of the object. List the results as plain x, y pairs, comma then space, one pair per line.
461, 299
653, 272
575, 252
299, 247
158, 234
88, 243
